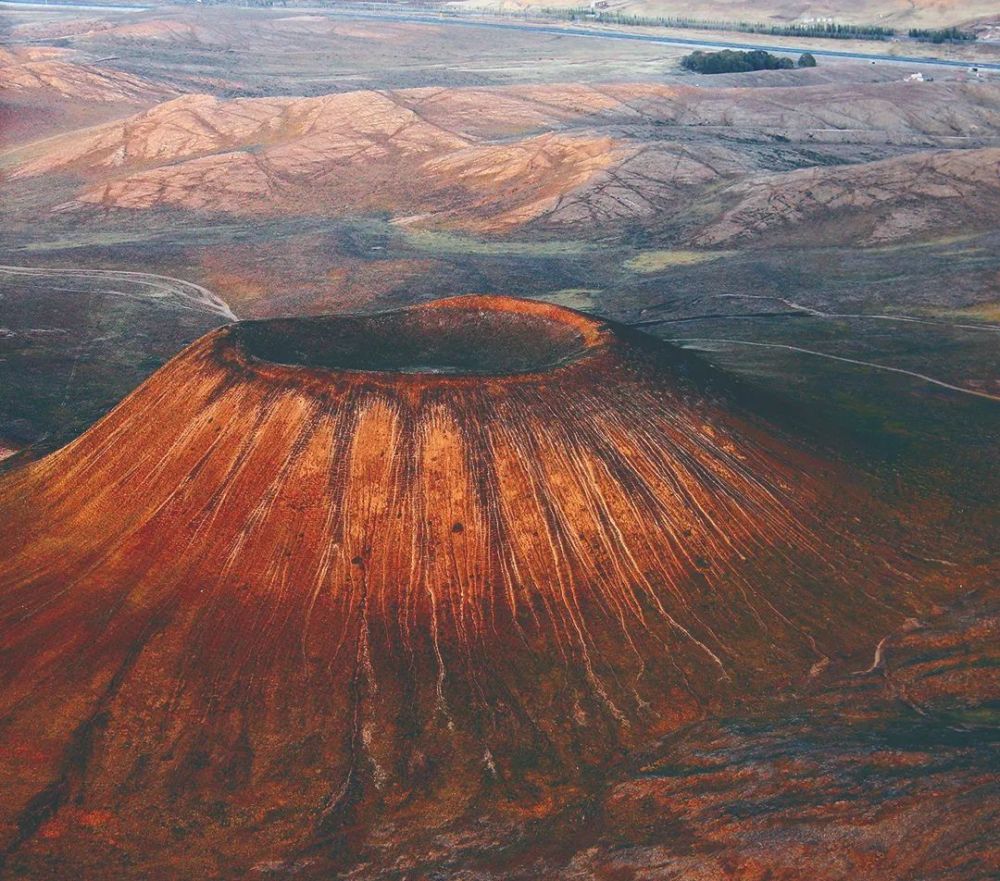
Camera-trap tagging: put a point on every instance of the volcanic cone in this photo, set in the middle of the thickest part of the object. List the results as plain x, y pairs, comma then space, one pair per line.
318, 575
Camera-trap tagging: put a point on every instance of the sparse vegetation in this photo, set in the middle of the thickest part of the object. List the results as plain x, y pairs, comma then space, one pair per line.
732, 61
982, 311
657, 261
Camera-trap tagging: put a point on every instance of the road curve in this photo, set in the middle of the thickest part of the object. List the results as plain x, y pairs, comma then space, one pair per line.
163, 288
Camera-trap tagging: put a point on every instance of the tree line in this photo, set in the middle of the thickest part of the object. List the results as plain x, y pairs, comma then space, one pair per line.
941, 35
825, 29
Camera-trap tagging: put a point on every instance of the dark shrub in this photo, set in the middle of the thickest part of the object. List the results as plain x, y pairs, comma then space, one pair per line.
732, 61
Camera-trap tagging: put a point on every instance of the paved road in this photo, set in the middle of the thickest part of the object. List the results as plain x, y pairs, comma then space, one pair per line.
592, 33
80, 7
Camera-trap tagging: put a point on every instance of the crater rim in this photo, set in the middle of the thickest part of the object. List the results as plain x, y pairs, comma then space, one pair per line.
469, 336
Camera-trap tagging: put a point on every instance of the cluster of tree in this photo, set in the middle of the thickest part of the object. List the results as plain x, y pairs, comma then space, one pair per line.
732, 61
832, 30
941, 35
829, 30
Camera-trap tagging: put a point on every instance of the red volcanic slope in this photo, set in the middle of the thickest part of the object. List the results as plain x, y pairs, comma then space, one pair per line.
317, 575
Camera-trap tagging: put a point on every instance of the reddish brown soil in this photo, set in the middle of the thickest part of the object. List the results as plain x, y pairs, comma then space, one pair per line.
44, 90
323, 581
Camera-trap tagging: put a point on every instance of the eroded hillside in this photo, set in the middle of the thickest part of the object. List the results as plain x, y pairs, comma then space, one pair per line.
495, 160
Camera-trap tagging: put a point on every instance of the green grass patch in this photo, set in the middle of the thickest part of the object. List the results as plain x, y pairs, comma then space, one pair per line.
573, 298
441, 242
656, 261
983, 311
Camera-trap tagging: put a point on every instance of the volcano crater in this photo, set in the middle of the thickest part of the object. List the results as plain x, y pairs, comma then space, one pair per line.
318, 576
468, 336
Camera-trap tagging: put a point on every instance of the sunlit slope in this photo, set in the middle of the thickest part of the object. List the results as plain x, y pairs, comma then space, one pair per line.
497, 160
318, 574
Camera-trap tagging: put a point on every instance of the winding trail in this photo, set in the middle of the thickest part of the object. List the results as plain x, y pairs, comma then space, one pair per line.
797, 310
871, 364
817, 313
168, 290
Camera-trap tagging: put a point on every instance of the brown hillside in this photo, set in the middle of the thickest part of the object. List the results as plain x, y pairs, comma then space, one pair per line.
489, 159
899, 13
869, 203
44, 90
51, 76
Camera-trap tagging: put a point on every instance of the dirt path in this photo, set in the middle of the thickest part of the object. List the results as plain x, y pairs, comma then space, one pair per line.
166, 290
871, 364
817, 313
